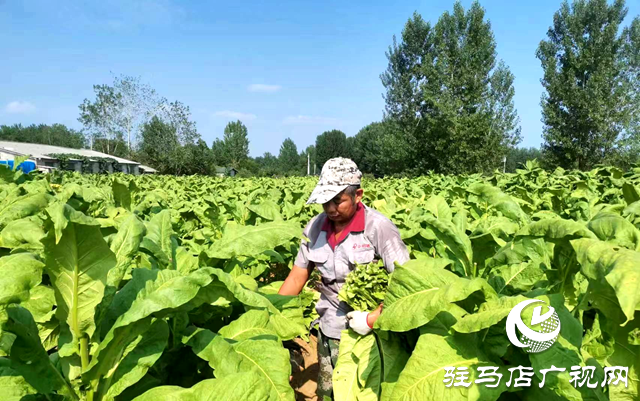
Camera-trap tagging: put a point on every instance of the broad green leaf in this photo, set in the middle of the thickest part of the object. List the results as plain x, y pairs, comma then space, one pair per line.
253, 240
556, 229
271, 288
22, 206
271, 360
438, 206
516, 278
625, 353
264, 357
186, 261
267, 209
615, 230
498, 227
19, 274
62, 214
41, 301
457, 241
618, 268
253, 323
358, 372
247, 282
460, 220
499, 201
286, 327
596, 343
160, 231
14, 386
422, 378
201, 343
524, 249
489, 314
168, 293
49, 333
632, 209
123, 299
27, 355
154, 250
394, 359
631, 193
78, 265
125, 246
7, 176
23, 233
121, 194
138, 357
417, 292
241, 386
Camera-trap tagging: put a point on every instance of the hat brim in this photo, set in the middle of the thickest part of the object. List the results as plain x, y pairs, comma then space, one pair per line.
324, 193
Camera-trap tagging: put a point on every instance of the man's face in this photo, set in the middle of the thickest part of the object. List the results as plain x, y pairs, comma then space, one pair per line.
342, 207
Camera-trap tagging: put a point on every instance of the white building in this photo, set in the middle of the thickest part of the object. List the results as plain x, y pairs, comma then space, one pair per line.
40, 154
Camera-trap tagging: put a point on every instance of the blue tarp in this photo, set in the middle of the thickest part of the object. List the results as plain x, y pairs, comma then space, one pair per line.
25, 166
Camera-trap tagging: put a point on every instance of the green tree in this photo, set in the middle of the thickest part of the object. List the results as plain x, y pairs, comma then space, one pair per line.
380, 149
331, 144
160, 147
178, 116
171, 144
219, 153
591, 82
249, 168
198, 158
268, 164
236, 143
366, 151
56, 135
449, 95
288, 159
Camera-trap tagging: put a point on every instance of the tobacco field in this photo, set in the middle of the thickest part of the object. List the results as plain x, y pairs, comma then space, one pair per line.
115, 287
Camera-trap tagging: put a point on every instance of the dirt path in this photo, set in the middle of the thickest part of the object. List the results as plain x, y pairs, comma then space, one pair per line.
304, 377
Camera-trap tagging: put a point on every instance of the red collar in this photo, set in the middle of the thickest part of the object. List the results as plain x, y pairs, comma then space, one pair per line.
356, 224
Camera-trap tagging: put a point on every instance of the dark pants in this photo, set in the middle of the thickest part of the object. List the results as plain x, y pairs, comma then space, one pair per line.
327, 358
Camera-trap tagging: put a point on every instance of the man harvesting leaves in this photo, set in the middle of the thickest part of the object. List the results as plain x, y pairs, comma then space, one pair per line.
346, 234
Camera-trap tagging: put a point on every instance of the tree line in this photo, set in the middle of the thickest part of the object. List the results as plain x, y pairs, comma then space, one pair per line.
449, 106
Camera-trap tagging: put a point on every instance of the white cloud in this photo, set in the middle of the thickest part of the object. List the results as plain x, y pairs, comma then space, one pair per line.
18, 107
264, 88
310, 120
236, 115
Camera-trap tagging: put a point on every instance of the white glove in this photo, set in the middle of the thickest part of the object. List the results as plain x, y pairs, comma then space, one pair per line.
358, 322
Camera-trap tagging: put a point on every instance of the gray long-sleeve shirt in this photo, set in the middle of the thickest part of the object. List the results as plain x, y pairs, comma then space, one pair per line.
370, 236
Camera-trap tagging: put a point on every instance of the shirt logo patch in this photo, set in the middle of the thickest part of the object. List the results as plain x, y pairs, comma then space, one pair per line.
358, 246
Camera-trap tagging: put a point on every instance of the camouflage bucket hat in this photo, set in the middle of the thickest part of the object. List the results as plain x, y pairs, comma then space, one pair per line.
337, 174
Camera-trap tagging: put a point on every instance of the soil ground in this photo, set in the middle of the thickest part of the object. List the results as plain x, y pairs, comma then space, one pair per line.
305, 376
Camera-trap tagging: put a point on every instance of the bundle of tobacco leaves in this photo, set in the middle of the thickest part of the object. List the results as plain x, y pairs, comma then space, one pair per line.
365, 286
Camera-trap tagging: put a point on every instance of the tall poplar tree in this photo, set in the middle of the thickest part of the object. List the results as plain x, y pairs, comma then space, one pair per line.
592, 83
449, 95
236, 143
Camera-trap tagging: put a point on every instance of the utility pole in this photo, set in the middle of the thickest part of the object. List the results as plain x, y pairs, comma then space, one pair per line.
504, 166
308, 164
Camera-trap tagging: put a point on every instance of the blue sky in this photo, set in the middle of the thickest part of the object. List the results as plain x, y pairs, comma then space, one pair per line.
286, 69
